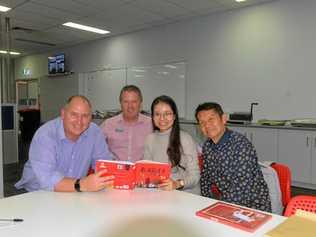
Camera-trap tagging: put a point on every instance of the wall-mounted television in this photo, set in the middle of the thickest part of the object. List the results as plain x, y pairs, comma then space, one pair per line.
56, 64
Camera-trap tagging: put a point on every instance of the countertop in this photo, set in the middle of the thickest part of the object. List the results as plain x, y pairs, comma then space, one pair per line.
255, 125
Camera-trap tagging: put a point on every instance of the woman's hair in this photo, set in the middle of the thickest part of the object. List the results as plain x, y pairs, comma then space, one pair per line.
174, 149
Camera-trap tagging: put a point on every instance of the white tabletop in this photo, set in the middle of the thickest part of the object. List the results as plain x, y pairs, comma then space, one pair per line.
97, 214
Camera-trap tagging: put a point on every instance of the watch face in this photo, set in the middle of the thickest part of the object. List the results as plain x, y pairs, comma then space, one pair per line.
181, 182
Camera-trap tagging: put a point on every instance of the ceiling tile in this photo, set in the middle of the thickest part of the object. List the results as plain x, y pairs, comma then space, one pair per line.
196, 5
103, 4
11, 3
43, 11
45, 17
129, 15
162, 8
36, 20
75, 8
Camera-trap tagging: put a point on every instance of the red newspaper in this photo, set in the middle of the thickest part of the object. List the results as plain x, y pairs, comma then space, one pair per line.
143, 173
235, 216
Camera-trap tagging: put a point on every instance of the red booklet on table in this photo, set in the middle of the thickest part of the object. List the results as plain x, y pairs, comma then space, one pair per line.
143, 173
235, 216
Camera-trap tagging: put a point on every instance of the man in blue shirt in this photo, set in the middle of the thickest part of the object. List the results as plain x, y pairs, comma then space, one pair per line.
63, 149
230, 162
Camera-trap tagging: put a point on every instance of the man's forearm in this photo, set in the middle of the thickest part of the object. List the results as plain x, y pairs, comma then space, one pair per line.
65, 185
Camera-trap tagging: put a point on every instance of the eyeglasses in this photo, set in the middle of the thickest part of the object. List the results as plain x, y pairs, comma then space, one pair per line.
165, 115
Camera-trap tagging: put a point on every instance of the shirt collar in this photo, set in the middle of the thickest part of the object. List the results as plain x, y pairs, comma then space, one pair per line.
140, 119
224, 138
167, 132
60, 129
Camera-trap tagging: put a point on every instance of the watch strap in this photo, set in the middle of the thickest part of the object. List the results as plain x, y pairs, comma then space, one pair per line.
77, 185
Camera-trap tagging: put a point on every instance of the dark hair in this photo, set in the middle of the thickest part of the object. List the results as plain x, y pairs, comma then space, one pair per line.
174, 149
209, 106
132, 88
82, 97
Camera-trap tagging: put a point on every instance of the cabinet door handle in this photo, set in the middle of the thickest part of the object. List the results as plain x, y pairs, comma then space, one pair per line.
307, 141
251, 135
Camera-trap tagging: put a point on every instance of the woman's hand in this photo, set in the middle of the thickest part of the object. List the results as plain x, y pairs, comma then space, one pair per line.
168, 185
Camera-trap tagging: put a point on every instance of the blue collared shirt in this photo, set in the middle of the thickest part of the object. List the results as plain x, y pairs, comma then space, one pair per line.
53, 156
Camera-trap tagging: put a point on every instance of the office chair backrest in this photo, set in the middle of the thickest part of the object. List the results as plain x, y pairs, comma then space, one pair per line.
284, 175
302, 202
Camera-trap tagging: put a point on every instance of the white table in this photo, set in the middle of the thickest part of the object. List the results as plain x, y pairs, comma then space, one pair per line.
48, 214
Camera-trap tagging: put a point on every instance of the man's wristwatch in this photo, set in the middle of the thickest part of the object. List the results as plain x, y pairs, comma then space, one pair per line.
181, 184
77, 185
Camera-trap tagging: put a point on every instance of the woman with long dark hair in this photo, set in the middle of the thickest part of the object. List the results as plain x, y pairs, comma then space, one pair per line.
169, 144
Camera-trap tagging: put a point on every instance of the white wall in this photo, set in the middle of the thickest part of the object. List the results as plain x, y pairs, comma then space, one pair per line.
263, 53
52, 100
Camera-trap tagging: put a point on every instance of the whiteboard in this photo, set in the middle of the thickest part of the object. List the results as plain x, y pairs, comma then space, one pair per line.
103, 88
164, 79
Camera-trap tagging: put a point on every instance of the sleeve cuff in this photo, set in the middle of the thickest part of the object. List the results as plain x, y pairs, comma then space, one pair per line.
56, 178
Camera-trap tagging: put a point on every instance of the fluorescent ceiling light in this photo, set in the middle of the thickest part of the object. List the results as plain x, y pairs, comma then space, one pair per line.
137, 75
11, 52
87, 28
4, 9
240, 0
163, 73
15, 53
138, 70
170, 66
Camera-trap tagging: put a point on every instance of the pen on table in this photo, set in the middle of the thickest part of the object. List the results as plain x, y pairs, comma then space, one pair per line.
14, 220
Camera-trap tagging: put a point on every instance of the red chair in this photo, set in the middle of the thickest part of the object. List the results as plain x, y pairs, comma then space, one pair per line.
302, 202
214, 188
200, 161
284, 175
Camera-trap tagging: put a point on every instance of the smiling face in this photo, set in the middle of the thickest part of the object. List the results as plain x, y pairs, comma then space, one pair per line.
163, 116
76, 118
131, 105
212, 124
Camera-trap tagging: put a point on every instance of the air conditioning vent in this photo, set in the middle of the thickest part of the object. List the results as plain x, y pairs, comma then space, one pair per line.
28, 30
35, 42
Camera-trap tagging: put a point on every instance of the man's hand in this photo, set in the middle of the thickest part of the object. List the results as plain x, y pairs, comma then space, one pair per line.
95, 182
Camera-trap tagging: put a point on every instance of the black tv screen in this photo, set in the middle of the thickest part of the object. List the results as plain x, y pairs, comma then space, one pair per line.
52, 67
60, 63
56, 64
